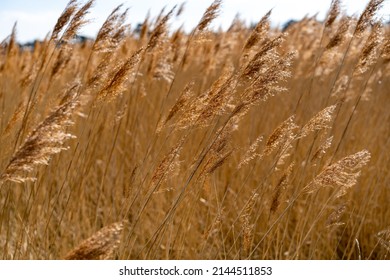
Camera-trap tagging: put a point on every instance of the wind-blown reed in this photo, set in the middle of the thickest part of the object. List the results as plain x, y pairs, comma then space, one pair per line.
153, 143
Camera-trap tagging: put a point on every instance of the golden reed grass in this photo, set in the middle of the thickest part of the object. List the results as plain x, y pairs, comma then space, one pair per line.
249, 143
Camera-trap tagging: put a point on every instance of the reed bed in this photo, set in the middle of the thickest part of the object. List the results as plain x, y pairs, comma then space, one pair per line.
249, 143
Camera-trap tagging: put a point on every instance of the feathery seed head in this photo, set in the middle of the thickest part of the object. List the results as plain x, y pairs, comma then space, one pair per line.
333, 13
318, 122
367, 17
45, 140
370, 50
64, 19
258, 32
100, 246
210, 14
341, 175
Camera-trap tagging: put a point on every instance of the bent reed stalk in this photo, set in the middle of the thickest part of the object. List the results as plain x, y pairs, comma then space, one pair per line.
154, 143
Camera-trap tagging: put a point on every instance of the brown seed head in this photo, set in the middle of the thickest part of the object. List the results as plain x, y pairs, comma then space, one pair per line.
370, 50
210, 14
339, 37
77, 21
101, 245
64, 18
282, 184
318, 122
159, 31
341, 175
45, 140
367, 17
116, 81
111, 32
258, 32
333, 13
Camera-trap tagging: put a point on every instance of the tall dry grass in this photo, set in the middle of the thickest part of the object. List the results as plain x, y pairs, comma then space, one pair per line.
238, 144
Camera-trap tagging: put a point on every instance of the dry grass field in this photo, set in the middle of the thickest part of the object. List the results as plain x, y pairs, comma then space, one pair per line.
250, 143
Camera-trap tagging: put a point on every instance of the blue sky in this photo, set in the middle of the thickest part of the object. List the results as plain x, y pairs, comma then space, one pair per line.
35, 18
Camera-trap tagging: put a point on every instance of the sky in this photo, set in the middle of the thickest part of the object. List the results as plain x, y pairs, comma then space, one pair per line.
36, 18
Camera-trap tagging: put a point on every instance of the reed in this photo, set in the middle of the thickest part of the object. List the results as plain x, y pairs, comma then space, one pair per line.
249, 143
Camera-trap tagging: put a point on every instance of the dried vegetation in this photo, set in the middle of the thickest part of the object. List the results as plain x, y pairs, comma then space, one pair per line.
160, 144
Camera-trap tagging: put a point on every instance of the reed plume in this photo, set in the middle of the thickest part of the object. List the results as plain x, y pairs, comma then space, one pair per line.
251, 153
320, 121
47, 139
181, 103
266, 83
172, 152
159, 31
370, 50
341, 175
221, 148
341, 34
210, 14
258, 33
247, 228
321, 150
386, 50
333, 13
17, 115
334, 218
170, 164
383, 237
280, 187
112, 31
214, 102
284, 133
77, 22
100, 246
64, 18
115, 84
367, 17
